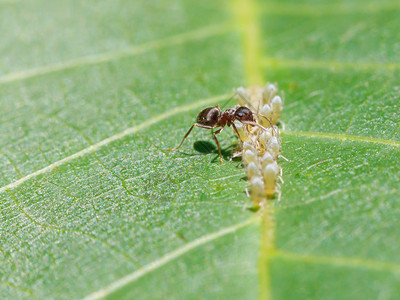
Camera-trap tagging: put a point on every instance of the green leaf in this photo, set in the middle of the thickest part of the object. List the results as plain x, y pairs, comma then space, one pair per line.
336, 233
92, 203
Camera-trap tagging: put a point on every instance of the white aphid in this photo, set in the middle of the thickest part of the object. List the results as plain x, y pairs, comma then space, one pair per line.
257, 190
248, 146
267, 112
252, 170
243, 132
266, 159
241, 95
249, 156
261, 145
276, 104
270, 175
274, 146
264, 138
269, 91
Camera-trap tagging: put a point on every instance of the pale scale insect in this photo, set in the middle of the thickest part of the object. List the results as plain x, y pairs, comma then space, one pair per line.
240, 95
274, 146
247, 145
267, 112
269, 91
249, 156
243, 132
252, 170
262, 149
266, 159
276, 104
270, 174
263, 139
257, 190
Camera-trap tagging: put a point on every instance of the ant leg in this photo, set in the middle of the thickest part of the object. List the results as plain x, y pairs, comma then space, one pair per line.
284, 157
253, 124
272, 126
237, 132
216, 140
263, 128
187, 133
260, 115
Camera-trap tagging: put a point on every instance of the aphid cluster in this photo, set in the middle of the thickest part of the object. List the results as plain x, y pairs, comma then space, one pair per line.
261, 145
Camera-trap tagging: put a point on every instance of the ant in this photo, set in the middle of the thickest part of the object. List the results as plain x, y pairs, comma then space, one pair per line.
214, 117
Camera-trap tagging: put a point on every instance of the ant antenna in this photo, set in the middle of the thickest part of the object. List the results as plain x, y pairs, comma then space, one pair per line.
272, 126
247, 101
227, 101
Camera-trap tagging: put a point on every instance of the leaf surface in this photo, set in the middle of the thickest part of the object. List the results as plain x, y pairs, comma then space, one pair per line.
92, 203
336, 235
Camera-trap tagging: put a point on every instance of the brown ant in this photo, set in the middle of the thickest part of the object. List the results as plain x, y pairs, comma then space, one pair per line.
214, 117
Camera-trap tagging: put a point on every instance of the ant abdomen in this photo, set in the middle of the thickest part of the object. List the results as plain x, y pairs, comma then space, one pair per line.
208, 116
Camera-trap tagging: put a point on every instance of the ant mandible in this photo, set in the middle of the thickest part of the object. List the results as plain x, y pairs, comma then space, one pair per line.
214, 117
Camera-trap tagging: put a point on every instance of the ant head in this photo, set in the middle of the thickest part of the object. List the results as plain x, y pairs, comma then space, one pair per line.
244, 114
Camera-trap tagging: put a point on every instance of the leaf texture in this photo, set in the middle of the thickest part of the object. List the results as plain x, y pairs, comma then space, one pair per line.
94, 206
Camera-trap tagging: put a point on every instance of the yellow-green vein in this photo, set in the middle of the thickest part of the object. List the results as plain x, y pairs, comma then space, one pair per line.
343, 137
272, 62
333, 8
340, 261
247, 23
246, 13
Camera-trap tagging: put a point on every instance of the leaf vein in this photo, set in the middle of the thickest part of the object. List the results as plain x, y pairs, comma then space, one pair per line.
340, 261
272, 62
343, 137
197, 34
132, 277
113, 138
52, 227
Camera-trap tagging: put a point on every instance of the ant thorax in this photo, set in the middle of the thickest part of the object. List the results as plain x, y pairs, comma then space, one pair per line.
228, 116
